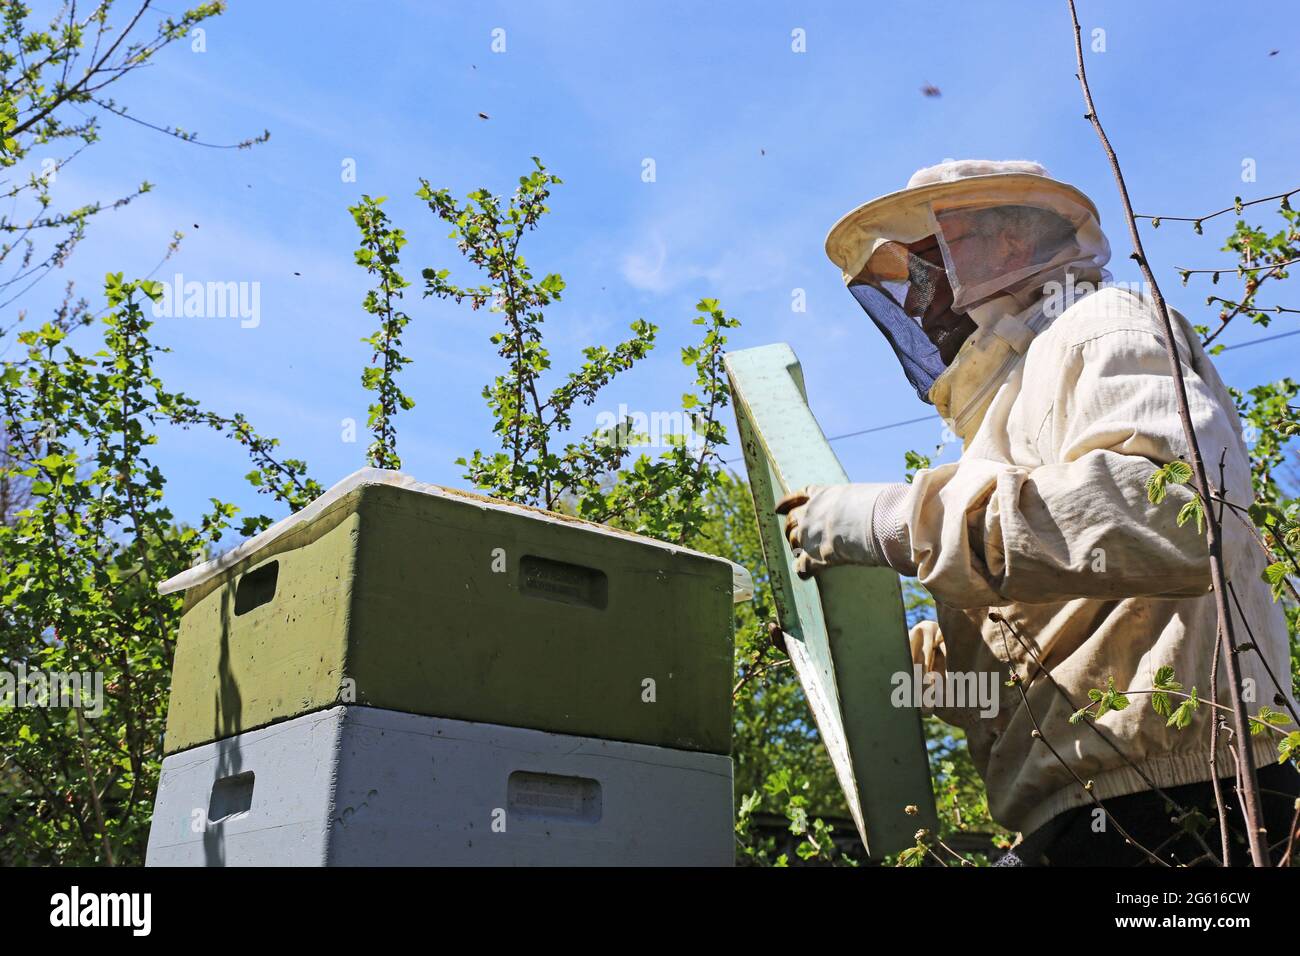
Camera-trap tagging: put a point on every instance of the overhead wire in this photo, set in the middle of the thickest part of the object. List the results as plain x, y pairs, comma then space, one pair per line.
928, 418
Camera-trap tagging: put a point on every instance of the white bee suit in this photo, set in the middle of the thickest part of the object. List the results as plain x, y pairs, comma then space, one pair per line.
1046, 520
1066, 406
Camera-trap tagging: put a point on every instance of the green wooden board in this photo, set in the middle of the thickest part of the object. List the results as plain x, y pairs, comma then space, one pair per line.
845, 631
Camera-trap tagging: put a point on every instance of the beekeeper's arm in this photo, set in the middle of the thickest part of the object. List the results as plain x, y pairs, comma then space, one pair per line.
981, 533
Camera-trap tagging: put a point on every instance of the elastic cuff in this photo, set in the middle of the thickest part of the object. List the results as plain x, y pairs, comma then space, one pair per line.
889, 528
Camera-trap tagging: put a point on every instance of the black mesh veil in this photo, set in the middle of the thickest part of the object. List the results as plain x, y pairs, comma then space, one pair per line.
916, 353
906, 292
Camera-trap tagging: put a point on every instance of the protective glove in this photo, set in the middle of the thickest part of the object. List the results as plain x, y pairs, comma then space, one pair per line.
926, 642
928, 650
828, 525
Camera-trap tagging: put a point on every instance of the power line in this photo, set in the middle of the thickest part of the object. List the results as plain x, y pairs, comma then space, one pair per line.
865, 431
881, 428
1267, 338
928, 418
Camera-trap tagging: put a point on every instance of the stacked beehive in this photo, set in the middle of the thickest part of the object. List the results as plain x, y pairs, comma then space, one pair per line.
407, 674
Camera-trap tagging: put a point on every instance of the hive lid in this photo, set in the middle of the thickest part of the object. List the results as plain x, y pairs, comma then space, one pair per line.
742, 585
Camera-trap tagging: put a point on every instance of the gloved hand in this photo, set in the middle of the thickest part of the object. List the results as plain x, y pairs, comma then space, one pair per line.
828, 525
928, 650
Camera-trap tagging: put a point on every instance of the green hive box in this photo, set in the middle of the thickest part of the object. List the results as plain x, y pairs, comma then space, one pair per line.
386, 592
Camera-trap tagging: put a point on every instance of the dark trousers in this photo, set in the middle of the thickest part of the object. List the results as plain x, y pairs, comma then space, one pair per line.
1076, 838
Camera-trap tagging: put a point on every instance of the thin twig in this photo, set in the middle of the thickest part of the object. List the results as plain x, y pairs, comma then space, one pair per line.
1029, 649
1242, 515
1220, 804
1233, 208
750, 674
1281, 692
1236, 269
1258, 836
960, 859
1290, 840
1199, 700
1245, 305
1038, 735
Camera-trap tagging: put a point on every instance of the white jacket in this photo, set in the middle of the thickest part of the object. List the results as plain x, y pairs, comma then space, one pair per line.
1045, 519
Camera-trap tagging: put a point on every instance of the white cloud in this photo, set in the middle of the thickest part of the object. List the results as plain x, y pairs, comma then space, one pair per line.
672, 253
644, 268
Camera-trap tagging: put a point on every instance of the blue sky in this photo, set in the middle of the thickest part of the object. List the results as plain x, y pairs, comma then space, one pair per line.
758, 150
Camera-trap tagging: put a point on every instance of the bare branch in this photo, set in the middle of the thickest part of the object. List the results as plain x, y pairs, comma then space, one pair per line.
1218, 577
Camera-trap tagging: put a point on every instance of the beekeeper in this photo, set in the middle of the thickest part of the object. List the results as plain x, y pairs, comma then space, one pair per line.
987, 281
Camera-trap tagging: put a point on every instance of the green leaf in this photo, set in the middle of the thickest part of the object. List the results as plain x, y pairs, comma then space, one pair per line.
1181, 718
1276, 574
1162, 704
912, 856
1268, 718
1288, 747
1193, 509
1179, 471
1157, 486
